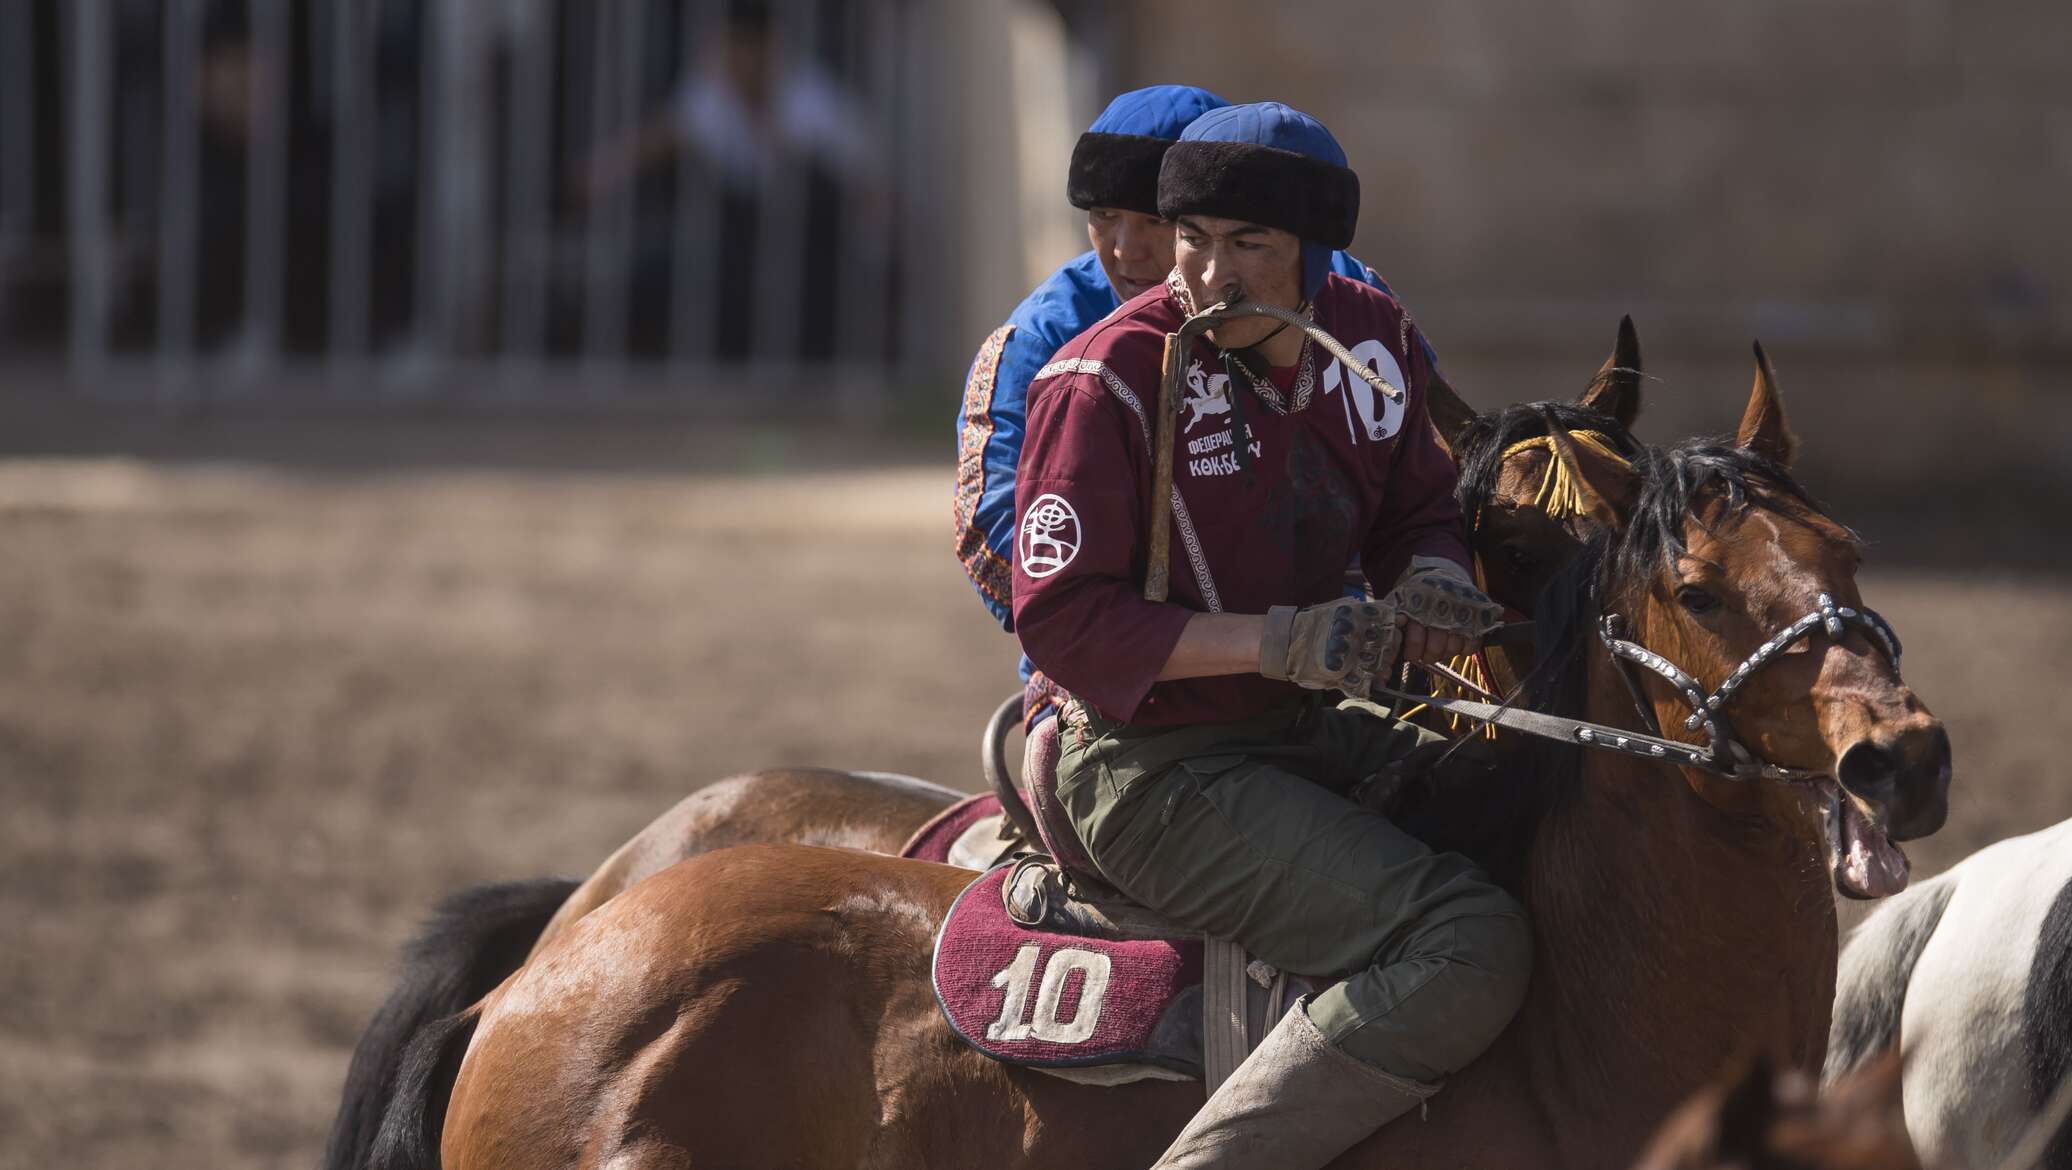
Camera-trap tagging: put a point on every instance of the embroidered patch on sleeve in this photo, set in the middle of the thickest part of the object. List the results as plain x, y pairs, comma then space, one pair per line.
1050, 536
987, 569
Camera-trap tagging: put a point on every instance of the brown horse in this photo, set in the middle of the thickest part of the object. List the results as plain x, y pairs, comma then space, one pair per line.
481, 935
770, 1005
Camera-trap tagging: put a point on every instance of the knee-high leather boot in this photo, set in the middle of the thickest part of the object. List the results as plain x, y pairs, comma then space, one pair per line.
1295, 1103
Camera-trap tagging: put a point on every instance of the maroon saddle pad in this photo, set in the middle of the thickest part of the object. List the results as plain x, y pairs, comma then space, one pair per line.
1052, 1000
932, 841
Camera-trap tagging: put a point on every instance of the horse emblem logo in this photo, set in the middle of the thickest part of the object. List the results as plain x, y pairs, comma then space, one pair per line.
1207, 394
1050, 536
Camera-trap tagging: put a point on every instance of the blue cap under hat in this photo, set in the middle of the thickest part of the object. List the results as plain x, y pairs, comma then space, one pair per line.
1156, 111
1267, 124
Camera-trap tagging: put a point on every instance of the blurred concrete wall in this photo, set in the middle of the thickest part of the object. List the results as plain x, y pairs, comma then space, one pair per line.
1860, 174
1011, 110
1876, 188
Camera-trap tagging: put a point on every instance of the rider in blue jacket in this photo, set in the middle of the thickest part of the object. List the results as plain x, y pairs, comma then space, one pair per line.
1114, 179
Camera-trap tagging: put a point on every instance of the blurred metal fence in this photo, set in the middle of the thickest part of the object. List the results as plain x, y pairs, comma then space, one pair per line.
560, 199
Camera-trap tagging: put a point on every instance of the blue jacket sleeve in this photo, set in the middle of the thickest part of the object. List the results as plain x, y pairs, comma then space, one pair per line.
989, 443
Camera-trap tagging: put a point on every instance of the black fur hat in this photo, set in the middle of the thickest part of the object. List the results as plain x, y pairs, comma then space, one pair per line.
1264, 164
1116, 170
1115, 163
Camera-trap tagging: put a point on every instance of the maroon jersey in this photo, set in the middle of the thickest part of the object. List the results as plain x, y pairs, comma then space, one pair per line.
1331, 470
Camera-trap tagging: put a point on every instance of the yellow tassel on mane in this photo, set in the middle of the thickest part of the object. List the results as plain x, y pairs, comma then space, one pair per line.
1559, 495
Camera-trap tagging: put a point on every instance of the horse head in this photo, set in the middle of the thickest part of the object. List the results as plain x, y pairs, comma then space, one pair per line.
1728, 569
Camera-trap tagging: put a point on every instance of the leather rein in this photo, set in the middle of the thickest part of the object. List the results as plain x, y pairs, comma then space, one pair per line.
1722, 755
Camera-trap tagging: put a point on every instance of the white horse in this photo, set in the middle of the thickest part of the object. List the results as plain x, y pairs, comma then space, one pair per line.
1972, 971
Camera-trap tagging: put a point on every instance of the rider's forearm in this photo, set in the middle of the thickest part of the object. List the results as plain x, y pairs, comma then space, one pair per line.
1215, 643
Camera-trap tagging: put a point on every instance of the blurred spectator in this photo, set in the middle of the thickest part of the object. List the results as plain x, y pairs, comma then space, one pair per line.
230, 79
746, 112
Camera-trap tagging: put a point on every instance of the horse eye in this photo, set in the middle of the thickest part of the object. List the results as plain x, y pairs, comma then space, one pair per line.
1696, 600
1520, 561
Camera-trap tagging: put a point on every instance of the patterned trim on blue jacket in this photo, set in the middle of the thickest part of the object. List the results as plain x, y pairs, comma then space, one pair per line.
989, 571
994, 410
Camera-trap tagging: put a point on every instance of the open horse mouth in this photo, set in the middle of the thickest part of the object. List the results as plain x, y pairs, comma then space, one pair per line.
1866, 863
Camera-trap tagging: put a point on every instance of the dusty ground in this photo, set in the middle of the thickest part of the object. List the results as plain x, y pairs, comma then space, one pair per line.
252, 723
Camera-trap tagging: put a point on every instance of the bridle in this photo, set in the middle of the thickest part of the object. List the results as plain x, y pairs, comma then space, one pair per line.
1723, 754
1726, 754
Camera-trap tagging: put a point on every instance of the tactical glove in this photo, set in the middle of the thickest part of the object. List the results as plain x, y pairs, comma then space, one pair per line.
1434, 593
1345, 644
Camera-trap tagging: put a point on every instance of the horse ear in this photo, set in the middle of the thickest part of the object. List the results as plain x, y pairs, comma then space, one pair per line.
1449, 414
1763, 429
1616, 388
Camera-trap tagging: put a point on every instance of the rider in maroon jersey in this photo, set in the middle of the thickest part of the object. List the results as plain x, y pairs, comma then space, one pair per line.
1201, 768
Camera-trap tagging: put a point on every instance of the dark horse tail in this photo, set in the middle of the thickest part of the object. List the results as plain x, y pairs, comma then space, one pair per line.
472, 942
409, 1136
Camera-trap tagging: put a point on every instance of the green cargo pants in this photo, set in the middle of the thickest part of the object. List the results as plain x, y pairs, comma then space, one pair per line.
1244, 831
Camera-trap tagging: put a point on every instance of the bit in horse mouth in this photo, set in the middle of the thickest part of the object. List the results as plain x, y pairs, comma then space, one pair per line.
1865, 862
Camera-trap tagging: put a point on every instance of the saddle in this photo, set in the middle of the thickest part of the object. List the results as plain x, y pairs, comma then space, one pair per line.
976, 832
1031, 973
1040, 964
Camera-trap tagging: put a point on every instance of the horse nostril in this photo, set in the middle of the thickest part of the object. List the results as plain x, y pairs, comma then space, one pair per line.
1868, 770
1908, 779
1928, 803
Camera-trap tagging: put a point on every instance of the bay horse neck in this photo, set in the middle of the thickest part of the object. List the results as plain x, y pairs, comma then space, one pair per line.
1671, 934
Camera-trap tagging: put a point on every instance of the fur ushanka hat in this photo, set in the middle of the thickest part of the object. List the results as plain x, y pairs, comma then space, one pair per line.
1115, 163
1268, 164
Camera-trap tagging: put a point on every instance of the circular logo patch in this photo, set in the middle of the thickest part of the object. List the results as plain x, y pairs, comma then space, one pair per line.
1050, 536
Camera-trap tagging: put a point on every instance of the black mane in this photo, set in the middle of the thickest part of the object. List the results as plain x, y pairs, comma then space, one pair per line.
1673, 483
1481, 444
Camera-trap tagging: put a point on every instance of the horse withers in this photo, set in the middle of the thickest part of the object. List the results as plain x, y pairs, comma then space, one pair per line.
771, 1005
